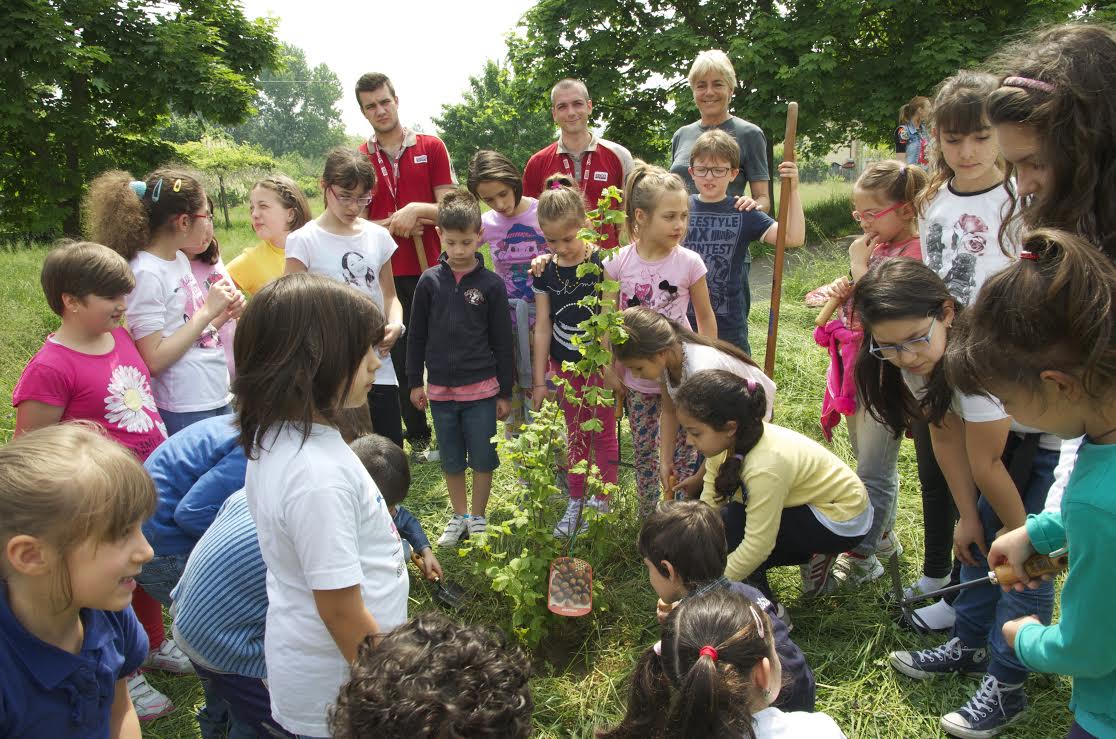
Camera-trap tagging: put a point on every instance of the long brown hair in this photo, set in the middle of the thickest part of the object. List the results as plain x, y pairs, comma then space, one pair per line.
685, 693
1076, 122
1052, 312
716, 397
959, 109
896, 290
650, 333
297, 348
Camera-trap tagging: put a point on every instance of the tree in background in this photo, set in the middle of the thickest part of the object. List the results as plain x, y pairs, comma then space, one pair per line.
221, 158
297, 107
85, 86
499, 113
849, 63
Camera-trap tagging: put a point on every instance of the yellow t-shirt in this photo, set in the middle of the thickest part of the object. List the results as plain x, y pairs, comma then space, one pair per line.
784, 470
257, 265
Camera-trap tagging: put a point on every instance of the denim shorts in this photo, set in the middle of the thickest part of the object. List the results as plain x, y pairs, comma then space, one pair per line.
465, 432
161, 574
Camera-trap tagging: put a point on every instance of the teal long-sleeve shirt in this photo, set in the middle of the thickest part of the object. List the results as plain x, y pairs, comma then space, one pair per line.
1081, 644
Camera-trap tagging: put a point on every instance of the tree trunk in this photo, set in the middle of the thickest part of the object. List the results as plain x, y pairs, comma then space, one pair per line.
77, 110
224, 200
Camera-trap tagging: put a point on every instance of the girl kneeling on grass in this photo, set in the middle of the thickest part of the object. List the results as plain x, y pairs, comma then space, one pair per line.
1041, 336
664, 351
997, 470
715, 673
71, 505
785, 498
305, 349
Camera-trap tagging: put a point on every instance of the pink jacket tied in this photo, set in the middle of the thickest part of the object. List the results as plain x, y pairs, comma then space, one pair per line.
842, 343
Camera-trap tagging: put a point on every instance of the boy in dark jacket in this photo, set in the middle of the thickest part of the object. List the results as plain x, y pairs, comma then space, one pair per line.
460, 331
683, 548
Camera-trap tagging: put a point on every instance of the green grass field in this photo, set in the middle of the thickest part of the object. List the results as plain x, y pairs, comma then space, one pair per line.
582, 671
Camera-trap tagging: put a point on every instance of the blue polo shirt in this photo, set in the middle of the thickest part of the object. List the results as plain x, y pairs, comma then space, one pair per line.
47, 692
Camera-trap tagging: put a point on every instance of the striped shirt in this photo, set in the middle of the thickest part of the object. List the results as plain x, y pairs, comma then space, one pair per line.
220, 604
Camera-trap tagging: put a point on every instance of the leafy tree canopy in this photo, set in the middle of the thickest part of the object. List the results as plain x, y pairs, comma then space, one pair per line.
497, 113
86, 84
849, 63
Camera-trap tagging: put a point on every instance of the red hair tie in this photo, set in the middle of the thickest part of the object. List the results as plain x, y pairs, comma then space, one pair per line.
1028, 255
709, 652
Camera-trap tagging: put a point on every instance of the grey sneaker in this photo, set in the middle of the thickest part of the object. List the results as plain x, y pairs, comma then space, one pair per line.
995, 706
852, 569
574, 515
478, 525
953, 656
455, 530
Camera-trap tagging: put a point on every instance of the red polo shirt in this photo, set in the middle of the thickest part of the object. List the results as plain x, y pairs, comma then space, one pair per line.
602, 165
423, 165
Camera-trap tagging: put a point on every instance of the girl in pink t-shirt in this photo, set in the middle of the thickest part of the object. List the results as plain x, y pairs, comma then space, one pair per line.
90, 369
511, 229
655, 272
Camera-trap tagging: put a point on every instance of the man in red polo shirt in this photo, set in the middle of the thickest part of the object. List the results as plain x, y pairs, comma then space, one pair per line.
592, 162
413, 173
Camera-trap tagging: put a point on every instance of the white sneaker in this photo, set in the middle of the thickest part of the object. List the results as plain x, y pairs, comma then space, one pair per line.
600, 505
852, 569
925, 585
169, 658
455, 530
574, 515
817, 575
478, 525
938, 616
150, 703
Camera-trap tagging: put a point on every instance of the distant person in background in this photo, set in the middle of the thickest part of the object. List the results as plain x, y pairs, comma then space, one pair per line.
593, 163
413, 174
278, 207
911, 137
713, 80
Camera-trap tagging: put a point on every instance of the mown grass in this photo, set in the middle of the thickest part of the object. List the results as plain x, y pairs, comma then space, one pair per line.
846, 637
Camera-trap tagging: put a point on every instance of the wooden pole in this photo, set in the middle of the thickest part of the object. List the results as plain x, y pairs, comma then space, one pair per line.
780, 243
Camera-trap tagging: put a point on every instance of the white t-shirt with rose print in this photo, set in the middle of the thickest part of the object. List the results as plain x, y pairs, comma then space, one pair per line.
166, 296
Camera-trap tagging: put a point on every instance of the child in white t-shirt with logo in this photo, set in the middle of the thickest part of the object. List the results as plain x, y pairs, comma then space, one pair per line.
343, 246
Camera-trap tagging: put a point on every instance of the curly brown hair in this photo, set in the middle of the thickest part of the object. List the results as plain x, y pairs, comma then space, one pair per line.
433, 677
120, 218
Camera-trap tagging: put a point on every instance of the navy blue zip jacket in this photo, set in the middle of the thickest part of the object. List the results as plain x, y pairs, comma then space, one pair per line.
462, 331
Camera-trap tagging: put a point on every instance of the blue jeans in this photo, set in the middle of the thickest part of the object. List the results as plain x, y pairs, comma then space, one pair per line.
465, 432
877, 465
983, 610
161, 574
175, 422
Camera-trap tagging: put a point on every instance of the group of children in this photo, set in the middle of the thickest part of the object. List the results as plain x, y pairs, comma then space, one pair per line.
977, 316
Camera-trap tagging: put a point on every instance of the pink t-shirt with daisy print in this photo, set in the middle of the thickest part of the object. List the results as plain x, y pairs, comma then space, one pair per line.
113, 390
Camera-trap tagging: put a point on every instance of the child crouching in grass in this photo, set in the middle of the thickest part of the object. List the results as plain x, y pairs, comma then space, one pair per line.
433, 678
683, 546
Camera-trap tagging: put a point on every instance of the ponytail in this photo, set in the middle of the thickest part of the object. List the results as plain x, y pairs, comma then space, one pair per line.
124, 213
894, 181
907, 111
701, 685
717, 397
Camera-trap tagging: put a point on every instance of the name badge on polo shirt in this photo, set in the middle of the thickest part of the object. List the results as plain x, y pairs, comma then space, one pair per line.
600, 176
420, 159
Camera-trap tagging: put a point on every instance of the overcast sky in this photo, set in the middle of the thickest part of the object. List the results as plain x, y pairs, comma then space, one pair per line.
428, 48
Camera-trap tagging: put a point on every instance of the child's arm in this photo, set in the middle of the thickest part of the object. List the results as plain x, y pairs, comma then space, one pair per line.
1077, 644
796, 218
859, 252
123, 720
293, 266
393, 309
199, 506
703, 309
984, 445
346, 618
33, 414
668, 436
411, 530
541, 349
766, 492
160, 352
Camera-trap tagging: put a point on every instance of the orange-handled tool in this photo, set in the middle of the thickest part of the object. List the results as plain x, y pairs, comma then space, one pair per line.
1036, 566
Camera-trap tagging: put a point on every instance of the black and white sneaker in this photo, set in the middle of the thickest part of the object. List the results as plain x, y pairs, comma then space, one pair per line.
951, 657
995, 706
